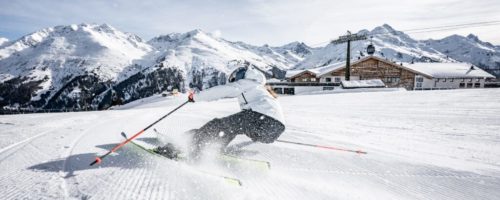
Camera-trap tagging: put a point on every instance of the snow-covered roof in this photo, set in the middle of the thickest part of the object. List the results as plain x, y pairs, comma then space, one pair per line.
292, 73
319, 71
449, 70
363, 83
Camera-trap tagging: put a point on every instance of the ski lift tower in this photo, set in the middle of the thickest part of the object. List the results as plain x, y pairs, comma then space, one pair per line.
348, 38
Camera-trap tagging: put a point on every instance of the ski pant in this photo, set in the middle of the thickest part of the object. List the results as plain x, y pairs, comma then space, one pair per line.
257, 126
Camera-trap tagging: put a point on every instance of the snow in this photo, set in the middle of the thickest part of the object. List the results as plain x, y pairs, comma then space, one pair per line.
292, 73
449, 70
363, 83
420, 144
319, 71
3, 41
274, 80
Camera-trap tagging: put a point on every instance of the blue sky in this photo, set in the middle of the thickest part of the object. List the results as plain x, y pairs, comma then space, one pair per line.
258, 22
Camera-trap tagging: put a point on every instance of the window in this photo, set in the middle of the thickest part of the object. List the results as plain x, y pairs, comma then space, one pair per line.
478, 80
420, 79
304, 79
313, 79
419, 84
451, 80
278, 90
444, 80
470, 80
477, 85
469, 85
463, 80
392, 79
462, 85
288, 90
337, 79
328, 80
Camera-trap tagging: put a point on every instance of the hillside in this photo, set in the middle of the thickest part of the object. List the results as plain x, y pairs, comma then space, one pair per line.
67, 66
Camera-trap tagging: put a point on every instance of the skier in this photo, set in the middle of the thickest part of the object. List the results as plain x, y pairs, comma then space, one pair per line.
260, 118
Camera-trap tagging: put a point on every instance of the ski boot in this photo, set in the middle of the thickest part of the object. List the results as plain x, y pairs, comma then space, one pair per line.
168, 151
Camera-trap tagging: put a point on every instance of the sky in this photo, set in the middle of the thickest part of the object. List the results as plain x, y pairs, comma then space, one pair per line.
258, 22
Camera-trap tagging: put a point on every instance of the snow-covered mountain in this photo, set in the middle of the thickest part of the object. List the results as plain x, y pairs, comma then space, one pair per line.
400, 47
206, 60
389, 43
469, 49
96, 66
3, 41
289, 54
67, 66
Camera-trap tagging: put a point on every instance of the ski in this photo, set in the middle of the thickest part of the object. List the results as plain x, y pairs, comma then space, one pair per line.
259, 163
230, 180
233, 158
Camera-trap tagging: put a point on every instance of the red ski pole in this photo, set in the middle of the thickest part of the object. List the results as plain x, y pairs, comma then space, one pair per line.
99, 159
321, 146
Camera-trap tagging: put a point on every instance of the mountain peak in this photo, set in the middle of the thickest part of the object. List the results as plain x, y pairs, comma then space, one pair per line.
296, 44
385, 29
178, 37
388, 27
195, 32
473, 37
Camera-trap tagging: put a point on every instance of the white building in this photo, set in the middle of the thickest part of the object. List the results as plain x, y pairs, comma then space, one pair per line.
448, 76
416, 76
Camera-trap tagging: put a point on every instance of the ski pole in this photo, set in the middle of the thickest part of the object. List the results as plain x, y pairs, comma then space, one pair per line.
99, 159
321, 146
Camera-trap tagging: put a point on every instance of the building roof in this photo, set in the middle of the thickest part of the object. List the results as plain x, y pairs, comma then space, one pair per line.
293, 73
320, 71
363, 83
429, 70
449, 70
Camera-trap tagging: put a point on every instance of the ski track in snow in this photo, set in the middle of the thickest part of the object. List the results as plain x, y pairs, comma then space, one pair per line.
421, 145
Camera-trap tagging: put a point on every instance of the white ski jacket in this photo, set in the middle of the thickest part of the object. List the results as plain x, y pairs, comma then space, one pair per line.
251, 94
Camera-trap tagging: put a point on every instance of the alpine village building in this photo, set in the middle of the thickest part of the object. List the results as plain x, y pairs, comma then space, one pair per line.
376, 72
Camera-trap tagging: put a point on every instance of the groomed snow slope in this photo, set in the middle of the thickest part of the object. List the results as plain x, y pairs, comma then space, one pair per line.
421, 145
